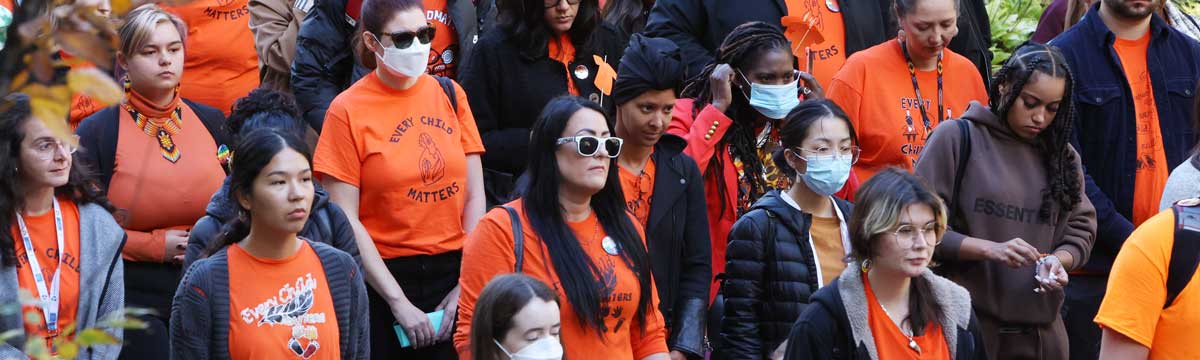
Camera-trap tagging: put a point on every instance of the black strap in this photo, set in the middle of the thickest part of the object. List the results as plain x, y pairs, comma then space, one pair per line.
448, 87
1185, 253
518, 238
964, 155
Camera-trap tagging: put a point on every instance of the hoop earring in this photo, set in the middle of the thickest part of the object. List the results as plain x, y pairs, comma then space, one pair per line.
866, 266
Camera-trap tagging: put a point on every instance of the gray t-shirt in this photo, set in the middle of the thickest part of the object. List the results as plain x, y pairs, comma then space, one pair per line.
1183, 183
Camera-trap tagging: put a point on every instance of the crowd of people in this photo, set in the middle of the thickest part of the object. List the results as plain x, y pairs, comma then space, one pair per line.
613, 179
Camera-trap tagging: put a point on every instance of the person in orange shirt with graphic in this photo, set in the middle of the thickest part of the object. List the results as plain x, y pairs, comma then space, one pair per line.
156, 157
59, 242
399, 153
264, 292
571, 230
222, 64
897, 92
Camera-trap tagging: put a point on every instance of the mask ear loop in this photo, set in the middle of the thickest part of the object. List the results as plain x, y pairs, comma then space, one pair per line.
748, 83
506, 353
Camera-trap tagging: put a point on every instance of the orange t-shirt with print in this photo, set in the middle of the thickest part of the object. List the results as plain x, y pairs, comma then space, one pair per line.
489, 252
44, 236
445, 53
1137, 290
406, 151
638, 189
221, 64
875, 89
563, 51
891, 343
828, 56
282, 308
1151, 175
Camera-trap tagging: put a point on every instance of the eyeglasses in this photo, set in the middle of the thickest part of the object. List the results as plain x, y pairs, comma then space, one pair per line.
851, 153
907, 235
404, 39
46, 149
553, 3
587, 145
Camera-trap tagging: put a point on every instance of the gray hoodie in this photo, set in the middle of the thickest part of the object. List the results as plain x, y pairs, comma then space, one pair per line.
102, 280
999, 200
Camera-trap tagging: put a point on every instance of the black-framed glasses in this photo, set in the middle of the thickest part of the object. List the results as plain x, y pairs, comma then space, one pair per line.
404, 39
587, 145
553, 3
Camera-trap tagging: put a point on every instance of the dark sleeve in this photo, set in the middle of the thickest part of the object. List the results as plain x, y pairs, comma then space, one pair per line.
980, 349
743, 289
191, 321
97, 141
1051, 23
481, 78
362, 321
203, 234
812, 336
686, 23
691, 311
939, 168
342, 233
324, 60
1112, 228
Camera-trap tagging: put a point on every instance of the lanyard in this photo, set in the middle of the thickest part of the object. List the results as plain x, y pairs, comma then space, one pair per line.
912, 71
49, 299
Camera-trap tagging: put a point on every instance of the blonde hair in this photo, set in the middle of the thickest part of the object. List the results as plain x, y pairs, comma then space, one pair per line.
140, 23
881, 201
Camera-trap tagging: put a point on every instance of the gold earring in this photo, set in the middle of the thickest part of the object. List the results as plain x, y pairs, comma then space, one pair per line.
866, 266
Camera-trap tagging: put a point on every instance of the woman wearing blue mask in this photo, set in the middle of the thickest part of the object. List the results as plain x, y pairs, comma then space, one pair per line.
792, 241
730, 118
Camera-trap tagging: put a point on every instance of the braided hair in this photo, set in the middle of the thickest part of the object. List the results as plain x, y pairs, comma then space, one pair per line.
742, 47
1053, 143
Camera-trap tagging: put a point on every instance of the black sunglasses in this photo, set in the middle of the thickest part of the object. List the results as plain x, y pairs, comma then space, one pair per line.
587, 145
404, 39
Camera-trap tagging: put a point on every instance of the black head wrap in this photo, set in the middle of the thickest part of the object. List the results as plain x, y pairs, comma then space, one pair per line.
649, 64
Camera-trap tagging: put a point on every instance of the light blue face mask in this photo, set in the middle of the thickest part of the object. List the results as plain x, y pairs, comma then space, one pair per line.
774, 101
826, 175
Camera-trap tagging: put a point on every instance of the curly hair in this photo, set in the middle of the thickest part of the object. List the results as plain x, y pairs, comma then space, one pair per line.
742, 47
262, 101
1062, 176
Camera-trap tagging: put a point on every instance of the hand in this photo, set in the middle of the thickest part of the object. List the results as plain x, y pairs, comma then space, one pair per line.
810, 87
721, 83
415, 323
450, 306
1015, 253
175, 245
675, 355
1051, 275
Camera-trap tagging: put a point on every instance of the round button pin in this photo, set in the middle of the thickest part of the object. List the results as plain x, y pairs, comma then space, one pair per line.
581, 72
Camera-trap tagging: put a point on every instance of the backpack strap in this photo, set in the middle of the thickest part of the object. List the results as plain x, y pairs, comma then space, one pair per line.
518, 238
960, 172
1185, 253
448, 88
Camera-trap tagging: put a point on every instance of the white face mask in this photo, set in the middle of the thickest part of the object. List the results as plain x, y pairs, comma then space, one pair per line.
408, 62
547, 348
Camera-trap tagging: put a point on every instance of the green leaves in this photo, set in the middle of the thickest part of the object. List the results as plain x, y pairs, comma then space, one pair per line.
1012, 22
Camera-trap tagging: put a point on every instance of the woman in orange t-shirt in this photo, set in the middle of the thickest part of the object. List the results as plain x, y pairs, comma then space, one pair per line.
577, 236
897, 92
55, 224
264, 292
399, 153
222, 65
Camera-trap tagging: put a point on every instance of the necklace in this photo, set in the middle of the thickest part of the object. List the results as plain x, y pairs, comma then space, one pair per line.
912, 72
163, 133
912, 344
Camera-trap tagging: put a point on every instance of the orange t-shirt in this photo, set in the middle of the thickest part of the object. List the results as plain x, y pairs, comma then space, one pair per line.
45, 238
282, 309
489, 252
563, 51
891, 343
154, 193
638, 190
875, 89
826, 235
221, 64
1137, 290
445, 54
827, 56
1151, 174
406, 151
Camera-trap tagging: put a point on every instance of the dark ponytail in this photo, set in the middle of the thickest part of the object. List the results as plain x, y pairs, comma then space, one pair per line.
797, 126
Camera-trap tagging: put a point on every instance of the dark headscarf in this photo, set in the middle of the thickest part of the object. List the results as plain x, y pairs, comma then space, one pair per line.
649, 64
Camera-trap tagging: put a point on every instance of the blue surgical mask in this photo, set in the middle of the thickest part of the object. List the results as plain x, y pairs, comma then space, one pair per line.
774, 101
826, 175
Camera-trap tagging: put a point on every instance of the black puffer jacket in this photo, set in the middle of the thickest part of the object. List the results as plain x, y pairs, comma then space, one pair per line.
326, 224
770, 273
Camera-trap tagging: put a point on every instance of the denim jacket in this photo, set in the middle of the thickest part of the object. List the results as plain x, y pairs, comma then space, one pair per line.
1104, 130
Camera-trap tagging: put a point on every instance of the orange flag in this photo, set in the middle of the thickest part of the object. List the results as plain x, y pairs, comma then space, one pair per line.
605, 77
801, 32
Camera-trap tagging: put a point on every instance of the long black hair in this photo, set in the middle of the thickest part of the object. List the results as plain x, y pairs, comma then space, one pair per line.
524, 20
743, 46
265, 108
255, 151
1054, 143
797, 126
500, 301
81, 187
540, 194
629, 16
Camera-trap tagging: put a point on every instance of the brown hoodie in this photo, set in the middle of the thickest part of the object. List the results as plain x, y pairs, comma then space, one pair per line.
999, 200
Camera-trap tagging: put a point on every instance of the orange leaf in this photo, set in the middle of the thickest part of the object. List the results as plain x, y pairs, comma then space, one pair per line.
88, 45
605, 77
802, 34
95, 84
51, 105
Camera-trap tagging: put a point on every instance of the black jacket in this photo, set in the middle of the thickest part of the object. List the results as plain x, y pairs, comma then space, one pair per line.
508, 86
679, 245
324, 65
770, 273
699, 26
836, 326
326, 224
974, 39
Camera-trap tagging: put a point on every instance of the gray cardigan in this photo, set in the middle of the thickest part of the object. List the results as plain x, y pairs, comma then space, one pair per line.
102, 280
